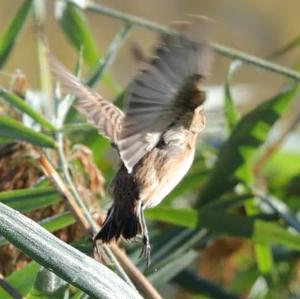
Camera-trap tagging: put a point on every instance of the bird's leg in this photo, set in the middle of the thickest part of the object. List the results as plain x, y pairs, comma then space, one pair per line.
146, 243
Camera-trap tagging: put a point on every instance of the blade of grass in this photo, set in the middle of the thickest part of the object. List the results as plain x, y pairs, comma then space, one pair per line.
76, 28
281, 209
259, 231
13, 129
52, 224
166, 241
26, 200
170, 270
57, 222
221, 222
182, 217
112, 51
195, 238
22, 106
10, 34
67, 262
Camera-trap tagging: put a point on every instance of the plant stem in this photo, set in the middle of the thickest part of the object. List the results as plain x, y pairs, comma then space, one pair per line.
221, 49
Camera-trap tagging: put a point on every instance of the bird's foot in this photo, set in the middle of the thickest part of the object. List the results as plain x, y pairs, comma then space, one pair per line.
146, 250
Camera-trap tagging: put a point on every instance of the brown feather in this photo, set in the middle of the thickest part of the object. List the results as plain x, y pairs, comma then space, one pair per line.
105, 116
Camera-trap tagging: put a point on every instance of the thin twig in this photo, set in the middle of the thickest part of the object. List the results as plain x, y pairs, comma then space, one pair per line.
221, 49
53, 175
13, 292
67, 176
112, 51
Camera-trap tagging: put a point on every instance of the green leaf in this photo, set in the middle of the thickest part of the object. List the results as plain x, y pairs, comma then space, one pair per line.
65, 261
165, 243
57, 222
187, 217
22, 280
48, 286
52, 224
170, 270
262, 232
225, 223
264, 258
231, 114
5, 140
76, 28
181, 217
21, 105
10, 128
26, 200
12, 31
238, 151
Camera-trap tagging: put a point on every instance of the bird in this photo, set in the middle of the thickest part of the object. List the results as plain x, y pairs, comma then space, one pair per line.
156, 135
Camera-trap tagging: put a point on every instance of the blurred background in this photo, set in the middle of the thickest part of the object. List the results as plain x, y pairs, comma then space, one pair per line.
256, 27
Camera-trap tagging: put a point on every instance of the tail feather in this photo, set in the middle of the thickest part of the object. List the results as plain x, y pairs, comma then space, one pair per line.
119, 224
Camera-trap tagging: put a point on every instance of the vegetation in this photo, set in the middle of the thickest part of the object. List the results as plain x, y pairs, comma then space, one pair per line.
229, 230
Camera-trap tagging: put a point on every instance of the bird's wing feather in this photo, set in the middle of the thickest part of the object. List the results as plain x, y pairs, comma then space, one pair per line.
105, 116
152, 103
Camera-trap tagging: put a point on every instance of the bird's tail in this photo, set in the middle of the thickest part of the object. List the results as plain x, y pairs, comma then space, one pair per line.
119, 224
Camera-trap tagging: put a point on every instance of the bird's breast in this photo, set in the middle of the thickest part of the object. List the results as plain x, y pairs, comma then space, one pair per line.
168, 173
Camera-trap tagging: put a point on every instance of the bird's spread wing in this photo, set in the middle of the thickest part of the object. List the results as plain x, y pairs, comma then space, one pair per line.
105, 116
153, 97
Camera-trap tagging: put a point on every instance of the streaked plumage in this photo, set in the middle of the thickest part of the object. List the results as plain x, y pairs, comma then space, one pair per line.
156, 136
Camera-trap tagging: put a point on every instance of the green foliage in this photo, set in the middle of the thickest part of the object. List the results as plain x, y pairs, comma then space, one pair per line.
9, 36
26, 200
15, 130
21, 105
240, 148
77, 29
22, 280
